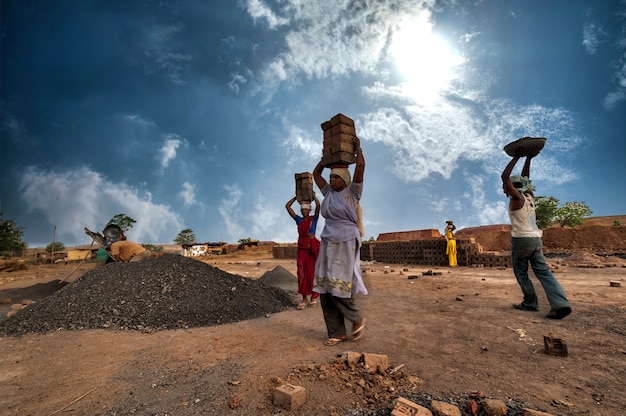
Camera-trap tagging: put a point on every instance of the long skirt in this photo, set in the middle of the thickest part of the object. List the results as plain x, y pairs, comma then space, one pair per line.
451, 252
305, 261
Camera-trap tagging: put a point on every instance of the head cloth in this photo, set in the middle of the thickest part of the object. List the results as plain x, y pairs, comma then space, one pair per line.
522, 183
343, 173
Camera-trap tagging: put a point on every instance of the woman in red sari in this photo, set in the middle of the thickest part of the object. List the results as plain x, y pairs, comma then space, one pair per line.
308, 249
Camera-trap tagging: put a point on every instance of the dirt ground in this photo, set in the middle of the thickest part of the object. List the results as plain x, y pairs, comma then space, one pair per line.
450, 335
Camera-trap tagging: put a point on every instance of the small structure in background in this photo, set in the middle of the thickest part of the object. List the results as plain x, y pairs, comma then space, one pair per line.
204, 249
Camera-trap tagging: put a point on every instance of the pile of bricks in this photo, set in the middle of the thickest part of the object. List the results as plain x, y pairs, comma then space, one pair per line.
432, 252
339, 135
304, 187
285, 251
427, 252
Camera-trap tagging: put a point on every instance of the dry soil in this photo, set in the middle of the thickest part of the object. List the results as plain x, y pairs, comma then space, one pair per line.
451, 336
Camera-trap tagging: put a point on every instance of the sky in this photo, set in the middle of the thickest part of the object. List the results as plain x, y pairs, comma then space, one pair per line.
197, 114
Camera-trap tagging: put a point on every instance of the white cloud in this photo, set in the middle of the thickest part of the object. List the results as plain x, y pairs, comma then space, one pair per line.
260, 11
168, 150
590, 38
299, 142
235, 81
486, 212
160, 53
329, 39
74, 199
613, 98
230, 212
272, 217
188, 195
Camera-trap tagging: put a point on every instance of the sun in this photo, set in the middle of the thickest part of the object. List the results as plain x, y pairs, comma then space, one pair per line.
425, 60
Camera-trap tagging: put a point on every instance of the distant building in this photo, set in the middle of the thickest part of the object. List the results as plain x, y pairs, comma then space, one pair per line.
204, 249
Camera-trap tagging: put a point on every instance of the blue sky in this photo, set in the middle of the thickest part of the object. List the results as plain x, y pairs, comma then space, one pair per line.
197, 114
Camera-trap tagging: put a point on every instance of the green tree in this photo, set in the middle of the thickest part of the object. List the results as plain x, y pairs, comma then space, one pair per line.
123, 221
545, 210
186, 236
570, 214
10, 236
57, 245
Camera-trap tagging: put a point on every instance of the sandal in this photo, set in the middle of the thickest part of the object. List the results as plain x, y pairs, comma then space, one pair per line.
358, 331
313, 302
334, 341
302, 305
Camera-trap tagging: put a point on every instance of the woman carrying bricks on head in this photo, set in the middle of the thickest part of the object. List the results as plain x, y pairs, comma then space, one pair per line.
308, 249
338, 270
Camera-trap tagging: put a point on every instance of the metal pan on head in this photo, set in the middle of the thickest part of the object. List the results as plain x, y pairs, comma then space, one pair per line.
526, 146
112, 231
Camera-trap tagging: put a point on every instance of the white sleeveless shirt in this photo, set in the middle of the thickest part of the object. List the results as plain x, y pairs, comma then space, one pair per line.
524, 220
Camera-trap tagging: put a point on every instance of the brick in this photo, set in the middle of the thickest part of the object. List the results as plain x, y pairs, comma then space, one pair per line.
289, 397
340, 144
335, 120
352, 357
494, 407
339, 128
339, 157
406, 407
531, 412
444, 409
376, 360
304, 186
554, 346
615, 283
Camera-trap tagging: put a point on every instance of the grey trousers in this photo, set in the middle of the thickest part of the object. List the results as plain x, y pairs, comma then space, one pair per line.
336, 312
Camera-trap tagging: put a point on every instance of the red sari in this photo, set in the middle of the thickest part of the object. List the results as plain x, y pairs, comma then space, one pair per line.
308, 249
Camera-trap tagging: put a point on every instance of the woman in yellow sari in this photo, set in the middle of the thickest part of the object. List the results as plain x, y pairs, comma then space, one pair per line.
451, 247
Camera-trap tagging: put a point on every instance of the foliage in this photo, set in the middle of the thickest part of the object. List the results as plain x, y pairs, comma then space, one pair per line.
545, 210
10, 236
244, 240
186, 236
616, 223
123, 221
57, 245
570, 214
153, 248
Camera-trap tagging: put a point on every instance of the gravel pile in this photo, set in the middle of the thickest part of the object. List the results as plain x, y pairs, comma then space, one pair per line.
165, 292
282, 278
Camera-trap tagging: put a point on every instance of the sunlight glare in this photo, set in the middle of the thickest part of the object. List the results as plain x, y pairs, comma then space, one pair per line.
423, 58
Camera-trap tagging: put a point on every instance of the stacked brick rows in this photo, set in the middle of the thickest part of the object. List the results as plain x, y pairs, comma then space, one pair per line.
304, 186
339, 134
432, 252
285, 251
429, 252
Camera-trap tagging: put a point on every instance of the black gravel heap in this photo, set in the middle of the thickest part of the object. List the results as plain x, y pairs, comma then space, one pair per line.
165, 292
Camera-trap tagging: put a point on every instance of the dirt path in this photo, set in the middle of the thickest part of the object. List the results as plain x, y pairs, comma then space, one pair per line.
456, 333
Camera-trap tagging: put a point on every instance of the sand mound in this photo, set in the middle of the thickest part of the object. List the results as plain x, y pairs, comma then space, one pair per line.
165, 292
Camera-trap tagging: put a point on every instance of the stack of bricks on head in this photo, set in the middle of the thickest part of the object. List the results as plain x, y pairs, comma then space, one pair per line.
339, 135
338, 152
304, 187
